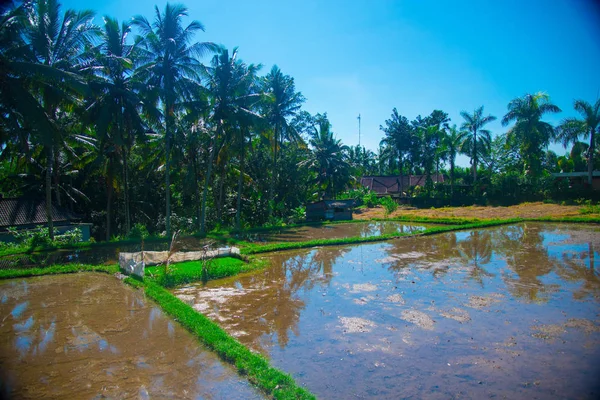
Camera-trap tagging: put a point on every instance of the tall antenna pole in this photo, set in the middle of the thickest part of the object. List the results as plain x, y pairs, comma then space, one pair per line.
358, 118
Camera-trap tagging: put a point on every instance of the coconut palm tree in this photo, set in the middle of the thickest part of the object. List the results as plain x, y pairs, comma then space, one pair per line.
282, 105
40, 83
453, 142
530, 132
474, 124
571, 129
173, 69
234, 97
328, 158
399, 134
116, 105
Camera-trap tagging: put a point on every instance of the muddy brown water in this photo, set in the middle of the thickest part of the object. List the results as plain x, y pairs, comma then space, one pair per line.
508, 312
334, 231
89, 336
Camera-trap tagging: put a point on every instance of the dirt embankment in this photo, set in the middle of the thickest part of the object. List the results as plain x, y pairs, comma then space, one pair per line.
525, 210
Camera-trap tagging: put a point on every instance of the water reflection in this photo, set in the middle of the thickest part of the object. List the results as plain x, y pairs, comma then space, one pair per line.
87, 335
481, 313
334, 231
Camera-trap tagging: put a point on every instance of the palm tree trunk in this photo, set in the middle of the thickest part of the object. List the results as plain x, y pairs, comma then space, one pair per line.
55, 172
126, 183
167, 174
197, 188
591, 157
274, 174
221, 199
206, 184
474, 156
109, 195
240, 186
452, 180
49, 191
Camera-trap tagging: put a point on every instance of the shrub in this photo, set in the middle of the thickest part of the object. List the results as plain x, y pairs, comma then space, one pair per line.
139, 231
389, 204
298, 215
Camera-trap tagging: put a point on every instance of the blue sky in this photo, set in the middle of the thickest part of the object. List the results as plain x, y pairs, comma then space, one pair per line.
351, 57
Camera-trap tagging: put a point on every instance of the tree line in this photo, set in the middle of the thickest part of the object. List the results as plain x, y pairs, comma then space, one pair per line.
420, 145
137, 122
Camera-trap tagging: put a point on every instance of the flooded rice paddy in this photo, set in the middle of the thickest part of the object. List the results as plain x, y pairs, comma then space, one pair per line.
334, 231
106, 255
89, 336
507, 312
110, 254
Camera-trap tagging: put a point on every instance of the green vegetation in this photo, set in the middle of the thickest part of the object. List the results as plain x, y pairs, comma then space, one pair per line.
272, 381
56, 270
192, 271
227, 136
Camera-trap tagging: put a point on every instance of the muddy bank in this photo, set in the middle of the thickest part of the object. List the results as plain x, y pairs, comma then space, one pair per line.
89, 336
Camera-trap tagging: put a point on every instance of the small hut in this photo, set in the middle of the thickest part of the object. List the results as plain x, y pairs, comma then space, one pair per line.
333, 210
25, 214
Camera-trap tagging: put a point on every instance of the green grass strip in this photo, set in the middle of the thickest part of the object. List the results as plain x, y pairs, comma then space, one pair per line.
191, 271
57, 269
271, 380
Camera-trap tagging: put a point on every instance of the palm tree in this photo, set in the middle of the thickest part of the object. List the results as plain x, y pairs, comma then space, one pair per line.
52, 55
283, 104
234, 96
530, 132
328, 158
172, 69
427, 139
453, 141
473, 125
399, 135
571, 129
116, 105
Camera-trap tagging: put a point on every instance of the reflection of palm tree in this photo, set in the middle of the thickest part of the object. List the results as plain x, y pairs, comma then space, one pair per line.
270, 304
441, 248
525, 254
477, 250
573, 269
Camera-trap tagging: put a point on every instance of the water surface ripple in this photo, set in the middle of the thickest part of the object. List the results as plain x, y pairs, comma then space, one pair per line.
89, 336
509, 312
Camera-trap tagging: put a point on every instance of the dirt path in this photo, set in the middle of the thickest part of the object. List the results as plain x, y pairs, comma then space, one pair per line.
525, 210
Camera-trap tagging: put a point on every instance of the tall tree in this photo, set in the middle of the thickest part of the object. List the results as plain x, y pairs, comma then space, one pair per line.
57, 42
399, 134
474, 124
530, 132
234, 93
453, 142
328, 158
115, 106
571, 129
173, 69
282, 105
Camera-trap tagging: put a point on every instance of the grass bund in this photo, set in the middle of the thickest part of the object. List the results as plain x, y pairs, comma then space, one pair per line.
57, 270
195, 271
255, 367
